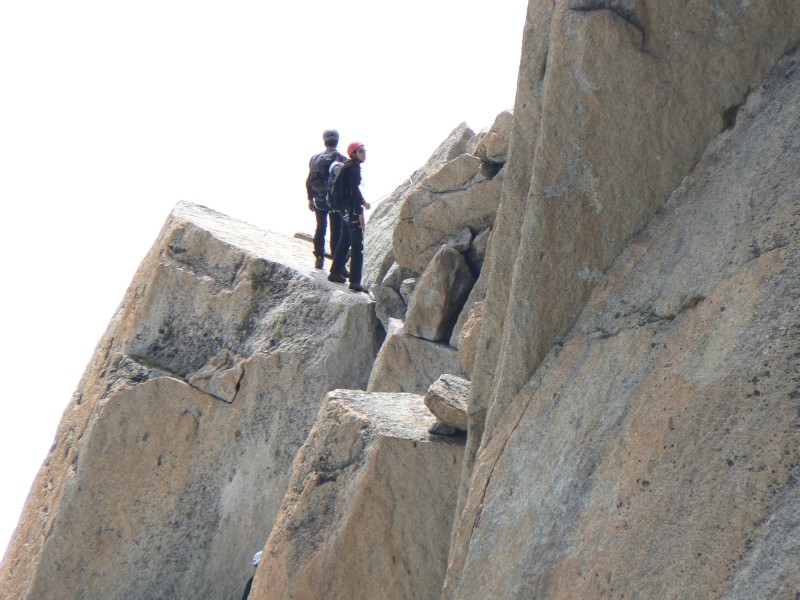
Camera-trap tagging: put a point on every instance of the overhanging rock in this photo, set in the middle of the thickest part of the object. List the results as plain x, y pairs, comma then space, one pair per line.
370, 505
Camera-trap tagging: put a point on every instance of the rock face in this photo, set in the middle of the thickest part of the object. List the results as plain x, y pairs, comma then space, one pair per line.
655, 453
172, 460
616, 102
370, 505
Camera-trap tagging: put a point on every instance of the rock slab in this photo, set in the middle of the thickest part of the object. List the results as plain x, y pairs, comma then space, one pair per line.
655, 454
175, 452
370, 505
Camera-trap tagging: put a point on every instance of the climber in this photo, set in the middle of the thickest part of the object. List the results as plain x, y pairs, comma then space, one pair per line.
316, 189
352, 228
248, 587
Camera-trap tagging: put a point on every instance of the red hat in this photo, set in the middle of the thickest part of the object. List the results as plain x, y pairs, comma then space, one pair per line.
351, 149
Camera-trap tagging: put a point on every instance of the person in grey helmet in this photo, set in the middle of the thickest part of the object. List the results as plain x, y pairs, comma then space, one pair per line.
316, 189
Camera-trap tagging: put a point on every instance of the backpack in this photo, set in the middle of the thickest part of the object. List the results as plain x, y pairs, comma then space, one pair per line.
318, 178
337, 194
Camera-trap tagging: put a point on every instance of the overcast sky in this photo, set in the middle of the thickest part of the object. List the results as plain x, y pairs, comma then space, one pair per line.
111, 112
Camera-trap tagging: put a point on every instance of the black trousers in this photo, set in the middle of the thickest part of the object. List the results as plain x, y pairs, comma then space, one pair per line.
323, 216
351, 238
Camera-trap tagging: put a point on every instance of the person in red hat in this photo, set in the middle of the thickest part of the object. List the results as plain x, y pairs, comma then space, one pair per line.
351, 236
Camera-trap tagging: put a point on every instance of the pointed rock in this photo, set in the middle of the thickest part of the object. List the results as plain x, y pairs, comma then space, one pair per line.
491, 145
439, 296
370, 505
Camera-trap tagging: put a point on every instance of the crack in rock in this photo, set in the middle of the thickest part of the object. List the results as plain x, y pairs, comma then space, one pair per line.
624, 9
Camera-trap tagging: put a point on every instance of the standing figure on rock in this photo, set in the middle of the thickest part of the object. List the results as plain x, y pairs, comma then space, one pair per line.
345, 196
316, 188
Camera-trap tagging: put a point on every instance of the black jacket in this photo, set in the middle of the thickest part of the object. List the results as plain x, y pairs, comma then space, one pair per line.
351, 171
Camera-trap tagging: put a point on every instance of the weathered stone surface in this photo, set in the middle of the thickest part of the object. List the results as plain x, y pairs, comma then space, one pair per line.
447, 400
388, 305
407, 288
155, 488
658, 447
370, 505
439, 296
492, 145
463, 194
460, 240
378, 252
468, 336
476, 295
616, 102
409, 364
221, 376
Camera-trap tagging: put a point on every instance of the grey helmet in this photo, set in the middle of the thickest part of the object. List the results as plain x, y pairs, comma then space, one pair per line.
330, 137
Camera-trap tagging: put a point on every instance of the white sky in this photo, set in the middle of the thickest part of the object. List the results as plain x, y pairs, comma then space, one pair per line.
111, 112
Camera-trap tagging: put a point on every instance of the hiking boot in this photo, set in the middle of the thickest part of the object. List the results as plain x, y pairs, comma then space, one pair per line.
336, 278
318, 262
345, 272
356, 287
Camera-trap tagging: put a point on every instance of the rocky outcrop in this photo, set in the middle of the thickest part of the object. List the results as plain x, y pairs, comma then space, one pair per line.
378, 252
439, 296
407, 363
655, 451
370, 505
491, 144
172, 458
447, 208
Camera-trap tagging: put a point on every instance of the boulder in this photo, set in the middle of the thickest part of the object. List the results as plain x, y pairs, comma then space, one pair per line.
409, 364
463, 194
370, 505
447, 400
491, 145
439, 296
172, 458
657, 445
378, 252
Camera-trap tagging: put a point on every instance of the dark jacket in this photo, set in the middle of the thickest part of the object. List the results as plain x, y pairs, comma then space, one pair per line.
335, 155
351, 171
